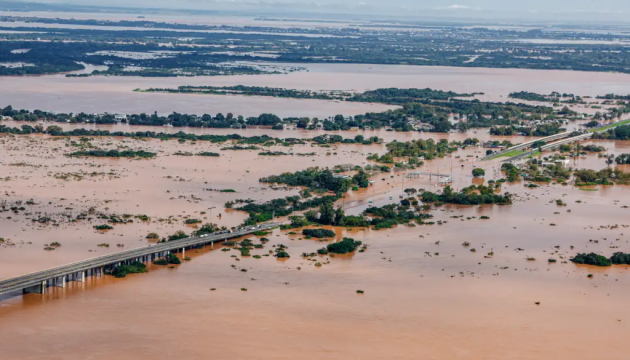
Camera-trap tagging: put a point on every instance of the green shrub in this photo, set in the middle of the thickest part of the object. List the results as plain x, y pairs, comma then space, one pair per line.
173, 259
591, 259
318, 233
620, 258
135, 267
160, 261
345, 246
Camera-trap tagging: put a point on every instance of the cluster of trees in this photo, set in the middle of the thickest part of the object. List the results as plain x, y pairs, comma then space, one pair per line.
253, 91
318, 233
623, 159
548, 129
592, 148
319, 179
266, 140
621, 132
392, 214
335, 139
284, 207
398, 96
540, 130
592, 124
394, 96
114, 153
502, 130
526, 95
554, 97
534, 172
602, 177
381, 217
472, 195
345, 246
415, 151
618, 258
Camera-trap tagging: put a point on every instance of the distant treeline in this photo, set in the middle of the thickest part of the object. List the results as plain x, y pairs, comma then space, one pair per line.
265, 140
422, 110
392, 96
621, 132
555, 97
540, 130
113, 153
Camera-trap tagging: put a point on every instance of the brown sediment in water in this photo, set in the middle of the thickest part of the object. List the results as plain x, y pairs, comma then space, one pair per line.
115, 94
426, 295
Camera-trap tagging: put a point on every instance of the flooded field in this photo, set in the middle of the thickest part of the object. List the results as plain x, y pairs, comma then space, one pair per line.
115, 94
426, 296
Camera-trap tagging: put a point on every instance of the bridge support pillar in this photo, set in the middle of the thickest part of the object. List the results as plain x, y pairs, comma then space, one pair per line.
60, 282
36, 289
183, 253
81, 276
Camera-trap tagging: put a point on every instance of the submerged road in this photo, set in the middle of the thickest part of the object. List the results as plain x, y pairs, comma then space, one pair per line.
77, 271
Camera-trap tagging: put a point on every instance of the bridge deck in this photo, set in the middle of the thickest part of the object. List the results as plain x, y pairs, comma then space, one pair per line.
526, 145
36, 278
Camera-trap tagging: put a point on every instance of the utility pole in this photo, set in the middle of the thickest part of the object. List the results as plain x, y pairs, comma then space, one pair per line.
403, 182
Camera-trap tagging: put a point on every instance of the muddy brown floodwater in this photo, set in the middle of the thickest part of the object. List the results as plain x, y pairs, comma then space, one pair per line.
425, 295
115, 94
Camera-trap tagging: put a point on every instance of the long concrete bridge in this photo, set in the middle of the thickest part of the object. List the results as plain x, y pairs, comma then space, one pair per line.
37, 282
552, 146
527, 145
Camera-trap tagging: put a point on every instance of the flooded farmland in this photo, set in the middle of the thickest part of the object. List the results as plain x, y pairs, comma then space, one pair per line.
425, 294
488, 282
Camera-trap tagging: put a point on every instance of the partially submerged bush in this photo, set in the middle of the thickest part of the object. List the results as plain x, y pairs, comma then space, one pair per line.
135, 267
591, 259
347, 245
318, 233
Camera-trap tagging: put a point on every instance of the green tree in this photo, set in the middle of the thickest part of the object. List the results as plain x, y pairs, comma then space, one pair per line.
477, 172
361, 179
538, 144
339, 216
311, 216
326, 213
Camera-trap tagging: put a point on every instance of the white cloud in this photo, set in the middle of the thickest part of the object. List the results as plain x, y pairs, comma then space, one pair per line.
458, 7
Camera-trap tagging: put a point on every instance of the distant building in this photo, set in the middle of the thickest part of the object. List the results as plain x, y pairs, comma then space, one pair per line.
422, 127
345, 167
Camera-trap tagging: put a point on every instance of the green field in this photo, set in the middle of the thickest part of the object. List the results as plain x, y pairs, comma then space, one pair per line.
507, 154
604, 128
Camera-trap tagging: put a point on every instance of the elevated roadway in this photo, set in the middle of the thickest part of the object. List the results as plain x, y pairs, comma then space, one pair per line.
527, 145
38, 281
